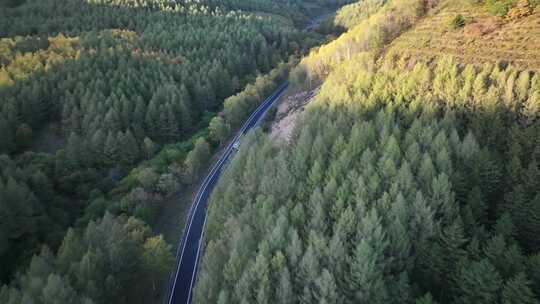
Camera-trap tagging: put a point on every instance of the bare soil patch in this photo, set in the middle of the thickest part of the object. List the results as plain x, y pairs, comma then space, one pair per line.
288, 112
482, 27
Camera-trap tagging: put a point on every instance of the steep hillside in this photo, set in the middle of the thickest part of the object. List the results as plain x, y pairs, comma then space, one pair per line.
405, 181
482, 38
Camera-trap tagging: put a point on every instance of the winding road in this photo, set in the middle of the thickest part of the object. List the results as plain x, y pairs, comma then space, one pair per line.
189, 249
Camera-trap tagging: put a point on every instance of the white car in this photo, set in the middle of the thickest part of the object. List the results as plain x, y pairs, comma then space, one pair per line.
236, 145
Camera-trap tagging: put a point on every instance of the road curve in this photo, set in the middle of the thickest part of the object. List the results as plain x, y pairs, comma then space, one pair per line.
189, 248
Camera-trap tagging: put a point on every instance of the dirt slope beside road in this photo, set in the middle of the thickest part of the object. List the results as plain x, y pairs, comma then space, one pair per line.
288, 112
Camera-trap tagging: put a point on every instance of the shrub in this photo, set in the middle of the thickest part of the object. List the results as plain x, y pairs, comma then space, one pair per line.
299, 75
500, 7
457, 22
167, 184
148, 178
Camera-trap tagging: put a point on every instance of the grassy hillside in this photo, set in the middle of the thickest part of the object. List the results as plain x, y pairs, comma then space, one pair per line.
484, 38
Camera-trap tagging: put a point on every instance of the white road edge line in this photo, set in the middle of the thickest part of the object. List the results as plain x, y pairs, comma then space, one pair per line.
201, 191
270, 99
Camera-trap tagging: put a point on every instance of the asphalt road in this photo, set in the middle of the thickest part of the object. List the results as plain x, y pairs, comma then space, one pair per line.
189, 249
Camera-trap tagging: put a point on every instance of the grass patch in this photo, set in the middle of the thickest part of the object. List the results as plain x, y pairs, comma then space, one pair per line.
500, 7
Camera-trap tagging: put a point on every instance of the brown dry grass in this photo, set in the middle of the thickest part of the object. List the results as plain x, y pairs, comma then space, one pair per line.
485, 39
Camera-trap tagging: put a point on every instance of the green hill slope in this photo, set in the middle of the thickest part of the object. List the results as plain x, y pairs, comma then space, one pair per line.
408, 180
